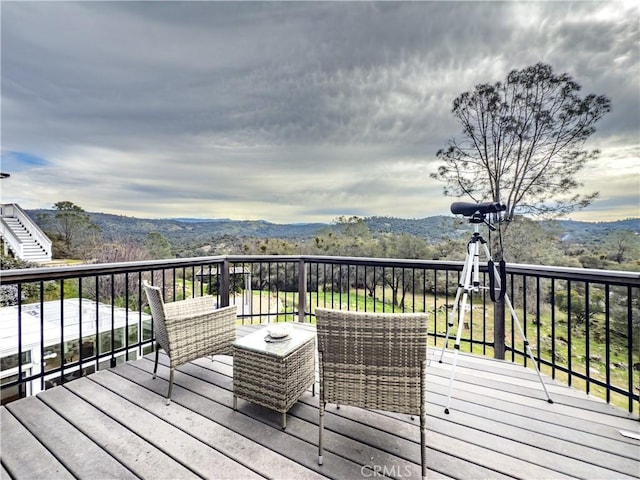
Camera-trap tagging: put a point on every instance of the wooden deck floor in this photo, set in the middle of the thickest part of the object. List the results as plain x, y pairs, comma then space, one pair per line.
114, 424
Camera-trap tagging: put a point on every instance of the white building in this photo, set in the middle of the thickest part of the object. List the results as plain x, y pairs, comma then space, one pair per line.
52, 326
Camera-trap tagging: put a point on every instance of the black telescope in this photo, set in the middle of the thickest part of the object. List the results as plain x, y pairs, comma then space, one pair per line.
470, 209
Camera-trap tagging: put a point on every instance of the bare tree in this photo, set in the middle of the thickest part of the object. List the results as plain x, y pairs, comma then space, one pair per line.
113, 288
523, 143
622, 246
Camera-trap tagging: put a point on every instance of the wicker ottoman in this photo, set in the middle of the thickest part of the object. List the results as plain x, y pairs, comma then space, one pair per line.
274, 374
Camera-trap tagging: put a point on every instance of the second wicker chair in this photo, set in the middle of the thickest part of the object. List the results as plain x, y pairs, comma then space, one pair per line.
374, 361
190, 329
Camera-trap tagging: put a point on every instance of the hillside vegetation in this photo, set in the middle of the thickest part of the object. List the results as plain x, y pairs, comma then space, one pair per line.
100, 237
432, 229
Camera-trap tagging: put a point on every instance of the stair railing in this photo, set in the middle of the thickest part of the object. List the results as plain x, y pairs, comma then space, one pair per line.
14, 210
11, 240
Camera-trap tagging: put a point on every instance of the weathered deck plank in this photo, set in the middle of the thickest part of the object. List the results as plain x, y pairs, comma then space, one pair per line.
398, 441
302, 424
80, 405
538, 420
24, 455
76, 451
500, 427
182, 415
260, 425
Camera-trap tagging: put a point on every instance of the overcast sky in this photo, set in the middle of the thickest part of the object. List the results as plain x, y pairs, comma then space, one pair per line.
288, 112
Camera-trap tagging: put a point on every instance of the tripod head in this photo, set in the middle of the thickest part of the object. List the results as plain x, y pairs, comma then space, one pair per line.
477, 212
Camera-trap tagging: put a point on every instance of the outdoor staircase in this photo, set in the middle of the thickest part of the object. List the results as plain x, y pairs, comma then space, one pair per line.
22, 237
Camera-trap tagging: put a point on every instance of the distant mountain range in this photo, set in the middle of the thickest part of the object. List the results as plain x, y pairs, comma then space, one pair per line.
434, 229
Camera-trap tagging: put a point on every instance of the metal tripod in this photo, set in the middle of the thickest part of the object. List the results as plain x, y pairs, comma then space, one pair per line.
471, 284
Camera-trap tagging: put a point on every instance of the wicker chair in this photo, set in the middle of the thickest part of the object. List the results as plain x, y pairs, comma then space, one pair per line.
190, 329
375, 361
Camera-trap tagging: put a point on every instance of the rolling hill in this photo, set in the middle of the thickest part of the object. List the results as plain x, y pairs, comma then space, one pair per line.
434, 229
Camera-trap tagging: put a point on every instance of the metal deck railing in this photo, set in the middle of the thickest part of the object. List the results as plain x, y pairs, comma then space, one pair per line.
582, 325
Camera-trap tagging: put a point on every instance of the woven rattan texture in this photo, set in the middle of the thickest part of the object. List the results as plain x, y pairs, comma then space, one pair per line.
192, 328
373, 360
273, 382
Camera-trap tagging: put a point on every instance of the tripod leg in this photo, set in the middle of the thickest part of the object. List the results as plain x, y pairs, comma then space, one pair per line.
527, 347
465, 276
456, 347
450, 321
472, 256
519, 328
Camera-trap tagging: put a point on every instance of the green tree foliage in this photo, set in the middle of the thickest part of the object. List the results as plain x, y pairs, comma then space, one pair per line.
617, 250
523, 142
619, 308
157, 245
532, 242
263, 246
403, 246
581, 313
348, 236
71, 230
594, 312
623, 246
9, 293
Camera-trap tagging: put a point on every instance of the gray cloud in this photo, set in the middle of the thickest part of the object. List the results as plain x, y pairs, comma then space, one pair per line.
284, 111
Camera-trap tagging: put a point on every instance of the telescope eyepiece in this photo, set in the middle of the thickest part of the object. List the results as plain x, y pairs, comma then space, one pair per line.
470, 209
